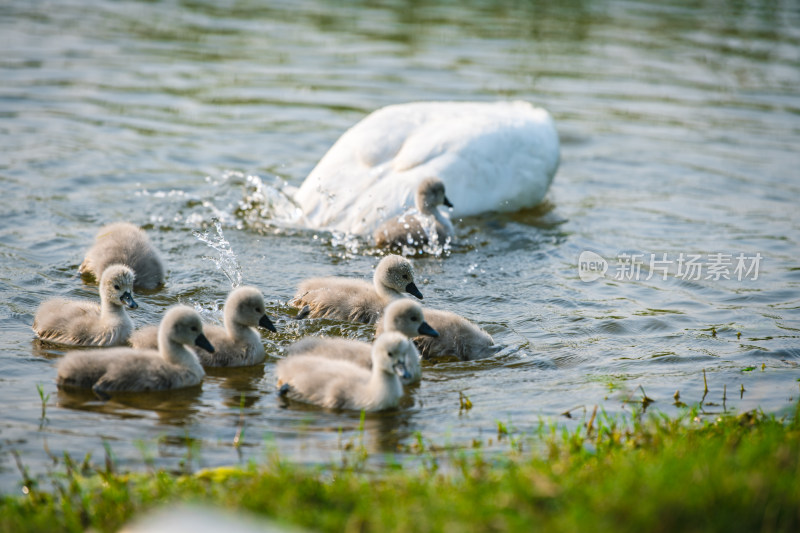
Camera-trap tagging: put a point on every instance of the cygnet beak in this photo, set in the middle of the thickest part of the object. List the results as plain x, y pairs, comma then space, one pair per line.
413, 290
426, 329
401, 370
447, 202
265, 322
127, 299
202, 342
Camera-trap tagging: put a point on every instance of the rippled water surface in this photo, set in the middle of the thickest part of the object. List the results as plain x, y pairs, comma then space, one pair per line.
679, 124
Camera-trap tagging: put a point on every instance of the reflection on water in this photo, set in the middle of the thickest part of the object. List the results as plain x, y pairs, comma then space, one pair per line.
679, 135
172, 408
239, 385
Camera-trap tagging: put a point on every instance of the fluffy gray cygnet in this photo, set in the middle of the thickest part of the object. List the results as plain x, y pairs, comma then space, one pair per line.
357, 300
458, 337
412, 230
126, 244
85, 323
173, 366
339, 384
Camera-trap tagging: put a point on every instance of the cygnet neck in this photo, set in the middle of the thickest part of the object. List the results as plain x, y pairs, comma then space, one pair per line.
109, 308
177, 354
239, 331
387, 294
233, 326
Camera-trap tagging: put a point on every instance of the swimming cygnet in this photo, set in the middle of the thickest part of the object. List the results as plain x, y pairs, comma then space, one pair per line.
237, 344
173, 366
409, 230
85, 323
457, 337
353, 299
338, 384
401, 316
126, 244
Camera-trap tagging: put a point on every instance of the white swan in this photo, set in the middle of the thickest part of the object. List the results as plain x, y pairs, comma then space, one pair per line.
354, 299
338, 384
84, 323
498, 156
237, 344
402, 316
417, 230
126, 244
173, 366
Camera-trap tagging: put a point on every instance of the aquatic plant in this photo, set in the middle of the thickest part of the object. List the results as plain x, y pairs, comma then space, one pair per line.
44, 399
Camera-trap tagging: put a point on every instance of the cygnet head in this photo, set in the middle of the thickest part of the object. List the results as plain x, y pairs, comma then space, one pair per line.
430, 195
390, 352
245, 306
396, 274
405, 316
116, 286
182, 325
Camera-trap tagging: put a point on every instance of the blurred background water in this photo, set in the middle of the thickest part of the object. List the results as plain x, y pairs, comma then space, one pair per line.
680, 127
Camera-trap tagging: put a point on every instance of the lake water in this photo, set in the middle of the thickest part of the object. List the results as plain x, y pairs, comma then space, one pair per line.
679, 124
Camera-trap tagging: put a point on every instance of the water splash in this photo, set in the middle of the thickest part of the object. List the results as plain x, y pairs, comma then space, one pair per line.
266, 204
214, 199
227, 261
236, 199
432, 246
210, 312
350, 243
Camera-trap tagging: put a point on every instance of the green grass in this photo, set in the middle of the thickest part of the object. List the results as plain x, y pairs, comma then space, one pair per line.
734, 473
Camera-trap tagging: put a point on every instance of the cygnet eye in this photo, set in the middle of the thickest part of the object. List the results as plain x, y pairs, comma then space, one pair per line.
194, 328
405, 276
116, 287
414, 319
258, 310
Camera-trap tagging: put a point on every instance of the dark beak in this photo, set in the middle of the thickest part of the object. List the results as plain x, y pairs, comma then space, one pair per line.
426, 329
265, 322
447, 202
127, 299
412, 289
202, 342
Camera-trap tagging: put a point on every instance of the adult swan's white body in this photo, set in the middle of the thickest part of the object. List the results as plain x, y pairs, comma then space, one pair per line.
498, 156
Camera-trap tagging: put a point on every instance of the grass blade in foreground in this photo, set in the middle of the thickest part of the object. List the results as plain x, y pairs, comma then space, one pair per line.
733, 474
